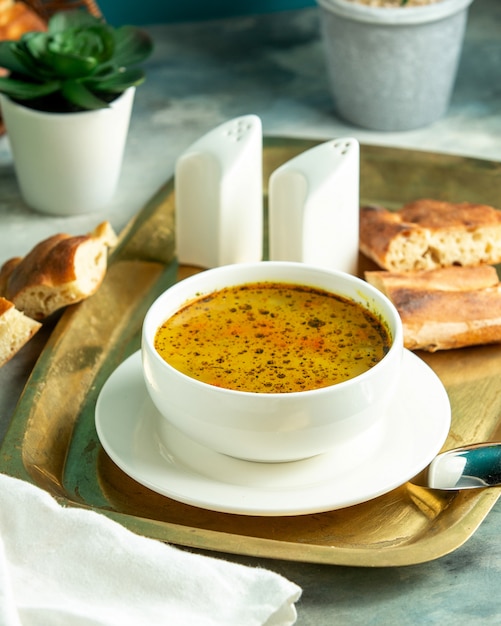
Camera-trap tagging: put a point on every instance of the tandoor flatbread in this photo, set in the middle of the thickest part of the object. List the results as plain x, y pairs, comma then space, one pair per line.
428, 234
447, 308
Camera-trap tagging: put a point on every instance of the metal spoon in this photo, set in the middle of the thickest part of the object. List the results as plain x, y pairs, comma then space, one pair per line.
471, 467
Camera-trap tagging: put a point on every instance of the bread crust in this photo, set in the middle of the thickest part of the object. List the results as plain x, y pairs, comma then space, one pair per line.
445, 279
427, 234
58, 271
444, 309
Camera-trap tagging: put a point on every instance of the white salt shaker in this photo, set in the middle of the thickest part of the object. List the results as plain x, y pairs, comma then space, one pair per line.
314, 207
219, 196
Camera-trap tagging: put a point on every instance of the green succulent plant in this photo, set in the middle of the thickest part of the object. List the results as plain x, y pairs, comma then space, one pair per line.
80, 63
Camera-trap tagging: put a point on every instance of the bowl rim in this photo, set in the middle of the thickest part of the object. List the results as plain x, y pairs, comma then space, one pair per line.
396, 334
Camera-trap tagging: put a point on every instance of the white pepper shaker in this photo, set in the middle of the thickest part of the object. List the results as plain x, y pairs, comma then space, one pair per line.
219, 196
314, 207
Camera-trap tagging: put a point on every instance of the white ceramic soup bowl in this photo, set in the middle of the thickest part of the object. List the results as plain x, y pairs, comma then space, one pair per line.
272, 427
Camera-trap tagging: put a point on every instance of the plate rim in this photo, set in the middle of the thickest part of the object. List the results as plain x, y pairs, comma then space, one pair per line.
173, 469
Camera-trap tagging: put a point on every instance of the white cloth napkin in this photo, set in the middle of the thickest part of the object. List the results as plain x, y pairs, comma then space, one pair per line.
72, 567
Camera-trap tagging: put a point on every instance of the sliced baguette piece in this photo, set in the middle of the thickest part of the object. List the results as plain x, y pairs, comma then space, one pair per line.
453, 278
16, 329
59, 271
443, 309
427, 234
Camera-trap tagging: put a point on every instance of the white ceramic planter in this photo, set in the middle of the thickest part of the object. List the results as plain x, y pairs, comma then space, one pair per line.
392, 69
68, 163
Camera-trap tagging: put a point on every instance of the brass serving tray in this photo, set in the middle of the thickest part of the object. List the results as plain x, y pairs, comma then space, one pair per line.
52, 440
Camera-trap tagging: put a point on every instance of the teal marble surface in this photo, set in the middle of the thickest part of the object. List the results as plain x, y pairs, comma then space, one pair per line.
204, 73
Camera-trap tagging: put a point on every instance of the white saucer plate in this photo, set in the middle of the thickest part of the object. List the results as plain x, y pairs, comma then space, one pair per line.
414, 430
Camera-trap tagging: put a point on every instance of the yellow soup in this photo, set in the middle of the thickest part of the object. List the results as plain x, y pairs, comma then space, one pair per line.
272, 338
